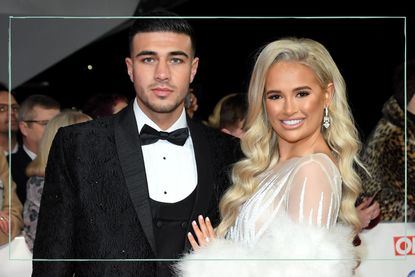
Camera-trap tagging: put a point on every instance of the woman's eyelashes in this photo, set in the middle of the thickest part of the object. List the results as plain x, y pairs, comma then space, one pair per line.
276, 96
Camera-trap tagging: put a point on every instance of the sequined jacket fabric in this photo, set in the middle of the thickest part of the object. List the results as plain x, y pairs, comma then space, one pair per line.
384, 158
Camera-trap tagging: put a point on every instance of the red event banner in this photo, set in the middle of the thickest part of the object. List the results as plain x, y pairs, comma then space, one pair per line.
404, 245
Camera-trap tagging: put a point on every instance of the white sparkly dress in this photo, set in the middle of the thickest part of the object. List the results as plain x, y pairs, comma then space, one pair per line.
287, 228
307, 189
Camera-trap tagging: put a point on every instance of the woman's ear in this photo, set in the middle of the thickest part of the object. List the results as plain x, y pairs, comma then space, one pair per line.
329, 94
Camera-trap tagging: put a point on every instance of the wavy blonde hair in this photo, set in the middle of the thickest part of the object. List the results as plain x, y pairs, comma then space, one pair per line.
67, 117
260, 144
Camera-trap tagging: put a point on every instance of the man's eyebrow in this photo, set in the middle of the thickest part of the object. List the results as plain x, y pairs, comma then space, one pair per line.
178, 53
146, 53
154, 53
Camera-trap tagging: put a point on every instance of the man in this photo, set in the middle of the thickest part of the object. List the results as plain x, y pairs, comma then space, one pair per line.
113, 190
34, 114
5, 105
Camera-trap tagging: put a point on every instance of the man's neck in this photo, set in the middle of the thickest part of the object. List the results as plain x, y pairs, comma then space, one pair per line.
32, 147
4, 141
163, 120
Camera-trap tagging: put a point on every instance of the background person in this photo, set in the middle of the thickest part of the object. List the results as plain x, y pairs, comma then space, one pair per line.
36, 171
5, 103
384, 152
232, 115
34, 113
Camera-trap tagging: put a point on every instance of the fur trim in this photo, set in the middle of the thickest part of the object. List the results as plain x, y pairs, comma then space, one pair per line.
288, 249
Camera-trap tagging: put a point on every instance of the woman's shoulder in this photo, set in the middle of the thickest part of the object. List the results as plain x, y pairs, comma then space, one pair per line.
316, 162
316, 158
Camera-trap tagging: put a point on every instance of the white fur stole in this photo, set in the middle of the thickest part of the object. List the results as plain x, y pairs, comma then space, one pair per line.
288, 249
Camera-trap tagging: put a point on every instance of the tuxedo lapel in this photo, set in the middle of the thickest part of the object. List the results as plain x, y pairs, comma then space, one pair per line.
132, 164
204, 171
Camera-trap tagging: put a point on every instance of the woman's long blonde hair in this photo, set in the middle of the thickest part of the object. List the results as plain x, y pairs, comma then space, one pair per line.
67, 117
260, 145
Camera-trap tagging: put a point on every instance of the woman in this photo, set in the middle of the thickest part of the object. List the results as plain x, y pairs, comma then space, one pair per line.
36, 171
297, 180
384, 151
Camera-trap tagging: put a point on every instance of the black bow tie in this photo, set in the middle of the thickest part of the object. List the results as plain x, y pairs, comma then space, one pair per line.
149, 135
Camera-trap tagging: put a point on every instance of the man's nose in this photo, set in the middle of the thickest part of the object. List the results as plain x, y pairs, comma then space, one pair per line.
162, 71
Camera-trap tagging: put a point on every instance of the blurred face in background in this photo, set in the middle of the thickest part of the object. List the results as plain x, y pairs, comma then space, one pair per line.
4, 113
33, 126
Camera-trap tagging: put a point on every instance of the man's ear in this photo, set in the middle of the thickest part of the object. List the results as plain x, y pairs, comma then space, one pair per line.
195, 64
23, 128
129, 64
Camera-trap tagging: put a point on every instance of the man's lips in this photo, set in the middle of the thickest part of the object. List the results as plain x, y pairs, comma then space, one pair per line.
161, 91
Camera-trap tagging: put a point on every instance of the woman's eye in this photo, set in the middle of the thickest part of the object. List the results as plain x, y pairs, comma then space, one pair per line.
303, 93
274, 97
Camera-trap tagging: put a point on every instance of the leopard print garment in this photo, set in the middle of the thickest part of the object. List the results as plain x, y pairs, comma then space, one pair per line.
383, 156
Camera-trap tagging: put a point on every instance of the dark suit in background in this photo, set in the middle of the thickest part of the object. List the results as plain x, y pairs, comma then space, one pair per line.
19, 161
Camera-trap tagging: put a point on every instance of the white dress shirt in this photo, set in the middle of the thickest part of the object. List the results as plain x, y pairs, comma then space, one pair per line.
170, 169
14, 150
31, 154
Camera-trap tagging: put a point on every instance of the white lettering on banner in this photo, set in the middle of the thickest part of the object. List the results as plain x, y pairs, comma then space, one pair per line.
404, 245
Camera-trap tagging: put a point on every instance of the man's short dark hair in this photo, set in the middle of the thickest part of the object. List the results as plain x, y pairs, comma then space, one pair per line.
233, 111
36, 100
162, 21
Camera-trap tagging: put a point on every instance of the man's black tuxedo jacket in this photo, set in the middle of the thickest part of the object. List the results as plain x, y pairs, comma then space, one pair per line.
95, 203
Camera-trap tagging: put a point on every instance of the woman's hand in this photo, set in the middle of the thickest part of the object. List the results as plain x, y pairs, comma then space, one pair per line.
4, 222
204, 234
367, 211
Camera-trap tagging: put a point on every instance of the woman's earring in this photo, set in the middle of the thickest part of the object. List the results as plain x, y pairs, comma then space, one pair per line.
326, 118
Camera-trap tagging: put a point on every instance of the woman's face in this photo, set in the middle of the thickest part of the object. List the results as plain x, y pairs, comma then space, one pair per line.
294, 101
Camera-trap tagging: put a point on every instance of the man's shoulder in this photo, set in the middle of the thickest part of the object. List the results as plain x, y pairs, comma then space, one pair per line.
211, 134
219, 143
93, 127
